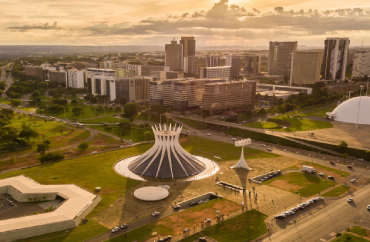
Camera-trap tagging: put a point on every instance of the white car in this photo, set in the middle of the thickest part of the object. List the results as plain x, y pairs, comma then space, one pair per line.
155, 214
353, 180
208, 134
321, 174
94, 152
350, 200
368, 207
263, 145
115, 229
233, 139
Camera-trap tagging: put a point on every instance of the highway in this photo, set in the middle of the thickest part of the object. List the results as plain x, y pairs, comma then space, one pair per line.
332, 219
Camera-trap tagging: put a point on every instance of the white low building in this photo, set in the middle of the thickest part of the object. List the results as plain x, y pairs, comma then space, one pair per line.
77, 205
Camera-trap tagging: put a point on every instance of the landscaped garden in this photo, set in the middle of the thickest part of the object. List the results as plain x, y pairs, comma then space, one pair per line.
263, 125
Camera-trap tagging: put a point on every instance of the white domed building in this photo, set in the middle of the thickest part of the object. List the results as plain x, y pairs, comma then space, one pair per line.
354, 110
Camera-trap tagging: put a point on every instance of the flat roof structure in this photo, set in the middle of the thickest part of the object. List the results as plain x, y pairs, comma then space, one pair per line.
151, 193
78, 203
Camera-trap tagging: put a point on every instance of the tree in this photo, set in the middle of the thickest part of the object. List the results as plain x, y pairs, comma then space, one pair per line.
77, 111
44, 146
35, 94
345, 156
26, 133
131, 109
12, 160
342, 146
51, 157
83, 146
15, 102
147, 135
74, 101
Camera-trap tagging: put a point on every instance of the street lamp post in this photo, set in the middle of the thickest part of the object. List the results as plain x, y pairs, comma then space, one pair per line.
367, 86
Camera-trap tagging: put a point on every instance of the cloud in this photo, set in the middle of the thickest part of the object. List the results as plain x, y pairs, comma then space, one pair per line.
40, 26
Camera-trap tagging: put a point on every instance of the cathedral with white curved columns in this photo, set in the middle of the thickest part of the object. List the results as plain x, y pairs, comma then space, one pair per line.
166, 158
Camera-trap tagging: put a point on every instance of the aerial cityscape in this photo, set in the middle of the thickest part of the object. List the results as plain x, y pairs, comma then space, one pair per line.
209, 121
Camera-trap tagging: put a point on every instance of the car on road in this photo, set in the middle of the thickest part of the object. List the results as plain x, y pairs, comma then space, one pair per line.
233, 139
11, 203
361, 159
202, 239
321, 174
332, 162
269, 149
350, 167
350, 200
115, 229
263, 145
155, 214
208, 134
195, 131
123, 226
368, 207
193, 203
353, 180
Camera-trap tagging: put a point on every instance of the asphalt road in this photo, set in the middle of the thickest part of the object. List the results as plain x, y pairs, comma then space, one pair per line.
332, 219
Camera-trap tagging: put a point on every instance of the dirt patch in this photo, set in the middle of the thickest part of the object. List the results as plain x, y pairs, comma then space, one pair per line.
282, 184
105, 191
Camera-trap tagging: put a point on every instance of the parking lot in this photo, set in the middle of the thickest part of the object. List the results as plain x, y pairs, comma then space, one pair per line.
18, 209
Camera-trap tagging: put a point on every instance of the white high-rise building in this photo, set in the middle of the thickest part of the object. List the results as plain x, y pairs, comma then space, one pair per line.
361, 64
75, 79
335, 59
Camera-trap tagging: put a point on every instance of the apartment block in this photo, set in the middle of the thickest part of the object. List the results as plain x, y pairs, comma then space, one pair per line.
30, 71
335, 59
305, 67
361, 64
149, 70
190, 64
279, 57
235, 62
253, 64
215, 72
234, 95
58, 76
75, 79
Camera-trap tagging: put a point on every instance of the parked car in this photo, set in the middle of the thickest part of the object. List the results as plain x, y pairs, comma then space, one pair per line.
330, 177
321, 174
350, 200
353, 180
11, 203
361, 159
94, 152
349, 166
202, 239
115, 229
368, 207
193, 203
208, 134
155, 214
167, 238
233, 139
123, 226
263, 145
332, 162
269, 149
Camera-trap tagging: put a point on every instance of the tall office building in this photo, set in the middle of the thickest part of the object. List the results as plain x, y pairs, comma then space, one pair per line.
235, 62
174, 56
252, 64
75, 79
335, 59
361, 64
213, 61
234, 95
279, 57
190, 64
188, 46
215, 72
305, 67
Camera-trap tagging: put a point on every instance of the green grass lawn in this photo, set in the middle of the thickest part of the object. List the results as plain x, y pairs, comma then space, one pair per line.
193, 123
209, 148
341, 173
359, 230
135, 134
306, 184
336, 192
300, 124
89, 112
110, 119
317, 111
263, 125
244, 227
192, 238
349, 237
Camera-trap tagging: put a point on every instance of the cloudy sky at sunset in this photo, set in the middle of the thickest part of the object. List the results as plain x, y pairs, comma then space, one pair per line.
155, 22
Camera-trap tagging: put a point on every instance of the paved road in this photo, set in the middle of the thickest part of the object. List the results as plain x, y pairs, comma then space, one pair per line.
286, 135
332, 219
9, 80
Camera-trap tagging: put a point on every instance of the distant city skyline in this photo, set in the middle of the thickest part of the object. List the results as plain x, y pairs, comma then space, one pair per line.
155, 22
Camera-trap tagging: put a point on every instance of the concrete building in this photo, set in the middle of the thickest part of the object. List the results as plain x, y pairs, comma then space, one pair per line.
335, 59
133, 89
77, 204
279, 57
252, 64
75, 79
120, 72
213, 61
291, 89
58, 76
40, 74
174, 58
215, 72
188, 46
30, 70
190, 64
149, 70
101, 72
234, 95
164, 75
180, 93
235, 62
361, 64
305, 67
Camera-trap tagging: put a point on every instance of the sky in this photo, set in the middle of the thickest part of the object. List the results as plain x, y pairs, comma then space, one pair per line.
156, 22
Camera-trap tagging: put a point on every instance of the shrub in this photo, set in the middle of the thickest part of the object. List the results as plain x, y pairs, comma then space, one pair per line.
51, 157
